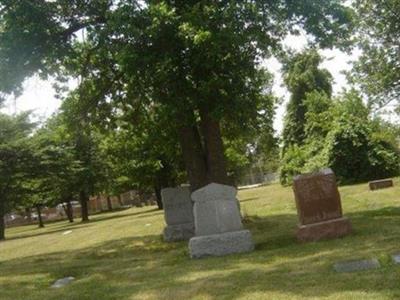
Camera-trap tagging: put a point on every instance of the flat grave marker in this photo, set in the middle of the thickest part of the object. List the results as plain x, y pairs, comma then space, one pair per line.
62, 282
356, 265
396, 258
380, 184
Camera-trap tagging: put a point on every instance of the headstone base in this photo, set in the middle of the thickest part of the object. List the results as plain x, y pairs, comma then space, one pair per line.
180, 232
330, 229
221, 244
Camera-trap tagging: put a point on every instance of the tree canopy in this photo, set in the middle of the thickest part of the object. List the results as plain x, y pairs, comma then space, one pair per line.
377, 71
17, 162
302, 75
197, 62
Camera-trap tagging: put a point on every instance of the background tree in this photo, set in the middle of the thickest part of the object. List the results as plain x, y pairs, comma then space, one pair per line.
302, 76
16, 167
143, 152
86, 149
343, 134
57, 177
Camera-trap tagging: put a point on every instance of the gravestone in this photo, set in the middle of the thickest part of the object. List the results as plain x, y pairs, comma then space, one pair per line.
356, 265
218, 225
178, 213
319, 207
62, 282
380, 184
396, 258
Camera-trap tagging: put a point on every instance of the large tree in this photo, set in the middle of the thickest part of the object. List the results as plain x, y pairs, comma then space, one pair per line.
199, 60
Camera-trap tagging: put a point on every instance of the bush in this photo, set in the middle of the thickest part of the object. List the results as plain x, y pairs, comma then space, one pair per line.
356, 147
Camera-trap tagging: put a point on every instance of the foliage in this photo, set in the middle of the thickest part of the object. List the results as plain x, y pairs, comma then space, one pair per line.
17, 162
302, 76
57, 176
185, 57
16, 158
141, 160
342, 135
292, 164
377, 71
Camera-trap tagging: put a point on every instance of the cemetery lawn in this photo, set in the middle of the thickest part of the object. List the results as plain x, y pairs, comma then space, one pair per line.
120, 255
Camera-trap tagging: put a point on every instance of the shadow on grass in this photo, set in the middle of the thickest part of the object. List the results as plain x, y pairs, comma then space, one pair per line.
65, 225
146, 267
250, 199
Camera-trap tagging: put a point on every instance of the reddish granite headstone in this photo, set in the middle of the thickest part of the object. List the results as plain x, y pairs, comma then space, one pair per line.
319, 207
380, 184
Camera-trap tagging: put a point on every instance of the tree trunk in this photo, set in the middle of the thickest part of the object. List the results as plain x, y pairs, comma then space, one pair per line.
39, 213
120, 200
69, 211
2, 223
157, 191
213, 149
84, 206
109, 203
193, 156
28, 214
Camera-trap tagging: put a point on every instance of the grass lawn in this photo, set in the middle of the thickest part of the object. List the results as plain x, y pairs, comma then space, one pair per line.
121, 255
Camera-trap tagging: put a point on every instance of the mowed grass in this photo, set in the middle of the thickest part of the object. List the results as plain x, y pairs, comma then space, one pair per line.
121, 255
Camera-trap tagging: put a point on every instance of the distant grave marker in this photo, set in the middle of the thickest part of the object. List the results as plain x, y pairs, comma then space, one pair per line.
319, 207
380, 184
356, 265
62, 282
396, 258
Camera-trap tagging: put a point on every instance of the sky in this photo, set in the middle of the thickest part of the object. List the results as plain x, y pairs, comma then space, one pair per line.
39, 95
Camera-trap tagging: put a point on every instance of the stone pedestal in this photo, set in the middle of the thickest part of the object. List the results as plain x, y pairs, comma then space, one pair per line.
178, 213
324, 230
319, 207
218, 226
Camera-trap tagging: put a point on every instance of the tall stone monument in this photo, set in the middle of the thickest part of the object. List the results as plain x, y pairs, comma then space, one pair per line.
178, 213
319, 207
218, 225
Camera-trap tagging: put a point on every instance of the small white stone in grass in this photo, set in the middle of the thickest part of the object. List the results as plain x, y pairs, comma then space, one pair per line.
62, 282
67, 232
396, 258
147, 225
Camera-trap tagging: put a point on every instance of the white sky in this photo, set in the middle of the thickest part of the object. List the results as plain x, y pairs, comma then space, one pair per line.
39, 95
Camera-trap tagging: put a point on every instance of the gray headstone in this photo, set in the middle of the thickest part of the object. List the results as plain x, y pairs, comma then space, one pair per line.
178, 206
181, 232
396, 258
178, 213
218, 224
356, 265
216, 210
221, 244
63, 282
